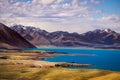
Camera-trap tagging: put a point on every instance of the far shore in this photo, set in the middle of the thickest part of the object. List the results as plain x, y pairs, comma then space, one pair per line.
82, 47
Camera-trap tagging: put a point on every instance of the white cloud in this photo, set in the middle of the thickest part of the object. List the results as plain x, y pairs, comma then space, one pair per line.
53, 15
47, 1
114, 18
96, 1
58, 1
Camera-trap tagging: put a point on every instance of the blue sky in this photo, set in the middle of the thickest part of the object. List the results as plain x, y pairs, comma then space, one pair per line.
66, 15
110, 6
25, 0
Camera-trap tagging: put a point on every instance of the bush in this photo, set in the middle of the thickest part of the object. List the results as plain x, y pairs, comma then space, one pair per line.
4, 57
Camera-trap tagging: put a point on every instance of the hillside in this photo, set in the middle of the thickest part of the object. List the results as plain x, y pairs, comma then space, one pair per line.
12, 40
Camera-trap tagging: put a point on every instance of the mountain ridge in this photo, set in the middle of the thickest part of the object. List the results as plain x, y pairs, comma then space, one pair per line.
95, 38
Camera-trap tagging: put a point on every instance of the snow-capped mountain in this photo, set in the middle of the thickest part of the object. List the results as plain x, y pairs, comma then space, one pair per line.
96, 38
34, 35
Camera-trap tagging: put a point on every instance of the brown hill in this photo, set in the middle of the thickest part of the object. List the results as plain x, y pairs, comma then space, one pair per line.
12, 40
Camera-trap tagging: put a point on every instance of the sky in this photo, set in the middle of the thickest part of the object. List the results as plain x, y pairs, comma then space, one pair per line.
62, 15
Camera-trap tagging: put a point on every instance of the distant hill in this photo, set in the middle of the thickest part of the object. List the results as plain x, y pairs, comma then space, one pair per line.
10, 39
106, 38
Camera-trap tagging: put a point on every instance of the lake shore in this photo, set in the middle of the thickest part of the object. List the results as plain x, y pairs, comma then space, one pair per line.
36, 59
29, 66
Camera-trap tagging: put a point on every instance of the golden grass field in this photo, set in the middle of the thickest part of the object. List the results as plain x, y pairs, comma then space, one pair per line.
15, 67
17, 72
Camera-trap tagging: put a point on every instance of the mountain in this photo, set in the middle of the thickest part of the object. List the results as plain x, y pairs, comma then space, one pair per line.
106, 36
60, 38
12, 40
97, 38
34, 35
40, 37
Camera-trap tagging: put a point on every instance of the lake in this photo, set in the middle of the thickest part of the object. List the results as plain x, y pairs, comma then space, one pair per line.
102, 59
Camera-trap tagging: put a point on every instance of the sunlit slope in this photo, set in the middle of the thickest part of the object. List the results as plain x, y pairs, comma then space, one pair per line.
19, 72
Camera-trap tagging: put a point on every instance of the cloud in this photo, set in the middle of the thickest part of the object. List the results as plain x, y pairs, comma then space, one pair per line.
114, 18
47, 1
58, 1
53, 15
43, 8
44, 2
96, 2
111, 21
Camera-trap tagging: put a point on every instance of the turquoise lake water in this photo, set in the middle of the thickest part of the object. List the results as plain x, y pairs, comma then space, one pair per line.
102, 59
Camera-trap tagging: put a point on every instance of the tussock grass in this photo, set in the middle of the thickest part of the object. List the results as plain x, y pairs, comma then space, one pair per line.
14, 67
19, 72
14, 57
22, 51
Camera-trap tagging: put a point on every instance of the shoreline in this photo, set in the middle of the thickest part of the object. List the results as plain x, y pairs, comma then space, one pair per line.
39, 58
26, 67
85, 48
98, 48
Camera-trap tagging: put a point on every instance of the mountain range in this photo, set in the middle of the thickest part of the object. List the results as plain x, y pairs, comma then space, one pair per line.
105, 38
10, 39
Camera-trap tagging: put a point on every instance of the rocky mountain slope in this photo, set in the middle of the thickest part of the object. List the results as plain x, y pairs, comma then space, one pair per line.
34, 35
97, 38
12, 40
